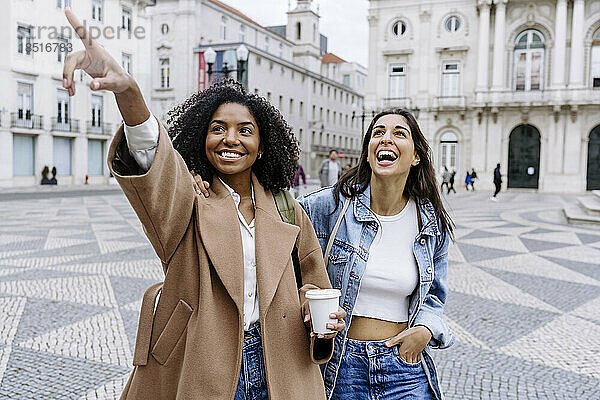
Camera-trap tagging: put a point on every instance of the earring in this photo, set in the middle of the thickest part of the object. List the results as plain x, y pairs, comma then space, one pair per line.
259, 155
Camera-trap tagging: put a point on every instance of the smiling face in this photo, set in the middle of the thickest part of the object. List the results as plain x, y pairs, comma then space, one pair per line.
233, 140
391, 147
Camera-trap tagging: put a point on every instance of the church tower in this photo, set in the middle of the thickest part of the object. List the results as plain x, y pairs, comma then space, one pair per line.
303, 30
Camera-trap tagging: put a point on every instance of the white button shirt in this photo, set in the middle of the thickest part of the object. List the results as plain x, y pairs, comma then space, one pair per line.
142, 141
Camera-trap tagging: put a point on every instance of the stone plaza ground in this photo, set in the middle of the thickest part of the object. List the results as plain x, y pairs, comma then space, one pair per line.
524, 299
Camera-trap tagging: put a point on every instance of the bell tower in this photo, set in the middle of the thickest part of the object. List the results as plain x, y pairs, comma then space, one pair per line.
303, 30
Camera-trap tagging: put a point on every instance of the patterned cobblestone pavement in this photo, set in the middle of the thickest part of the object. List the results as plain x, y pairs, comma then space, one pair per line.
524, 298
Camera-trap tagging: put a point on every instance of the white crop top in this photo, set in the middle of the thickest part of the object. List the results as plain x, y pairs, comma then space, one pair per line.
391, 274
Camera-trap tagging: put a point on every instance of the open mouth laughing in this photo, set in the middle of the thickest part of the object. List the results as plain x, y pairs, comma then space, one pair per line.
386, 157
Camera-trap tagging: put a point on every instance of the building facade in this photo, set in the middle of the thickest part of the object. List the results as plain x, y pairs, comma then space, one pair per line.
39, 124
315, 91
510, 82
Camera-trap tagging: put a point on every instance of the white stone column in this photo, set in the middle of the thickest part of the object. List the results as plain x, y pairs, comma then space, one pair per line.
377, 64
560, 31
484, 44
499, 39
577, 32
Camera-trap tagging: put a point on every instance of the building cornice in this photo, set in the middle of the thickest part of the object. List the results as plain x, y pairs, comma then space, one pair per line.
399, 52
452, 49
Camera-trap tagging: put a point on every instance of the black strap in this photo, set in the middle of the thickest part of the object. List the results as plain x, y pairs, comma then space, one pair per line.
296, 262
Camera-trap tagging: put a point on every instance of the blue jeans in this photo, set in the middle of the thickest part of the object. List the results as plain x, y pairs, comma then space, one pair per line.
252, 384
372, 371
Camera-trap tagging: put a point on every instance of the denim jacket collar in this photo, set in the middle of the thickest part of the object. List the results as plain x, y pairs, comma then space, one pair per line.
363, 212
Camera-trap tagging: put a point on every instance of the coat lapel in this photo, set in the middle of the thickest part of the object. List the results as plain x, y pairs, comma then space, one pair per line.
219, 229
275, 241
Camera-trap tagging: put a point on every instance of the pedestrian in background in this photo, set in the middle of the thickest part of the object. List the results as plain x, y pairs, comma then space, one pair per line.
385, 234
445, 179
330, 170
451, 187
473, 178
467, 180
229, 320
299, 174
497, 182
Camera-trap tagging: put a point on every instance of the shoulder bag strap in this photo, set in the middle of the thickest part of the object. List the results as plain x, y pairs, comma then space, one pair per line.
335, 229
285, 205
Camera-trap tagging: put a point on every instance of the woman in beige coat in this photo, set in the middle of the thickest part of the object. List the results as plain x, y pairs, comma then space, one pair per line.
229, 322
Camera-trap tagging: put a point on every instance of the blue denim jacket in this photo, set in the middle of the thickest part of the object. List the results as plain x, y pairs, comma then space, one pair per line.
348, 259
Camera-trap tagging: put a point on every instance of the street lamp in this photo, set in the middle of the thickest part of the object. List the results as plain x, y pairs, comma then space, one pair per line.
415, 111
362, 116
242, 56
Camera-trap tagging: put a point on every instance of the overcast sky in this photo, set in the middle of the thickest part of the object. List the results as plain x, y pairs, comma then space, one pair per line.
344, 22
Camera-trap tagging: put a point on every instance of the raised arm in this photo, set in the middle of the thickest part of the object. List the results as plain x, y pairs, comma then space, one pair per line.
160, 188
107, 74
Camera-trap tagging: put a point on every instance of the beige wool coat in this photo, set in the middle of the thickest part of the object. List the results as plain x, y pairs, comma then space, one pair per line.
190, 347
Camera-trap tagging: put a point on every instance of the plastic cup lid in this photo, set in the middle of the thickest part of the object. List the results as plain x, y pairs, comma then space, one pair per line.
318, 294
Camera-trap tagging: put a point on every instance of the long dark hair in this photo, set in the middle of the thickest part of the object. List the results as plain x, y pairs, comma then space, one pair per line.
420, 184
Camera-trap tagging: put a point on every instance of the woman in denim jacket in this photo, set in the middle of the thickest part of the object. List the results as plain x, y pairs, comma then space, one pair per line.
389, 258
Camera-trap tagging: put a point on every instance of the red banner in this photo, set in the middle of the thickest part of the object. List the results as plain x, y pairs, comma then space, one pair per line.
202, 78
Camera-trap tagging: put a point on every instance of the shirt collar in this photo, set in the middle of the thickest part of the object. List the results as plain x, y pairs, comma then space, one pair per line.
236, 197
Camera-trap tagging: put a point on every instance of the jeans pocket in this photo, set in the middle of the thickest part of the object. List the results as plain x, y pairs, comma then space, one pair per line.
405, 363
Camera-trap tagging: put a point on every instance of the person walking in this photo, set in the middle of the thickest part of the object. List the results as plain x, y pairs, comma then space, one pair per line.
299, 174
451, 187
467, 181
229, 320
473, 178
384, 233
497, 182
330, 170
445, 179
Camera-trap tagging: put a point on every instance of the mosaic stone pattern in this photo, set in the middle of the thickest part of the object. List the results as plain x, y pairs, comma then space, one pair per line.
524, 299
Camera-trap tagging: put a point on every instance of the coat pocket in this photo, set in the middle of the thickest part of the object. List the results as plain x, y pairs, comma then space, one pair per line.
172, 332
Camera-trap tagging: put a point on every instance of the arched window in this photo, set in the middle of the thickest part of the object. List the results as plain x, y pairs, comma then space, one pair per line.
448, 151
399, 28
452, 24
529, 61
595, 66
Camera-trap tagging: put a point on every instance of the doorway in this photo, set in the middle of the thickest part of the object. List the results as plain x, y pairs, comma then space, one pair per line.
593, 161
524, 157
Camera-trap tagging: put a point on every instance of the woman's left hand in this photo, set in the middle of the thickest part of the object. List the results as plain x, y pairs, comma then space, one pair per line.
411, 343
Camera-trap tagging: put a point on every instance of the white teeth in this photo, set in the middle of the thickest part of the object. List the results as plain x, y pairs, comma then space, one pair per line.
386, 153
227, 154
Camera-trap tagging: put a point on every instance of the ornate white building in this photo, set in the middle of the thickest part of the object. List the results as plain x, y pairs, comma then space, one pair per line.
289, 65
512, 82
39, 124
162, 44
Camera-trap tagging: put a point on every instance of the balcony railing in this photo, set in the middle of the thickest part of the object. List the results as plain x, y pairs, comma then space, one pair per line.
458, 102
62, 125
26, 120
96, 128
397, 102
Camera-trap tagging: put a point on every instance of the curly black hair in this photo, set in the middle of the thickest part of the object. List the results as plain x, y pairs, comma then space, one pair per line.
188, 126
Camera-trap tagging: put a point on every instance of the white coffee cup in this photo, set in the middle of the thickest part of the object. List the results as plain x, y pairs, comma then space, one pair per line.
322, 302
